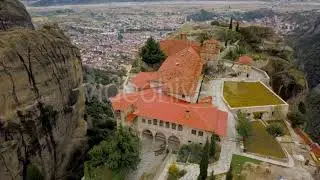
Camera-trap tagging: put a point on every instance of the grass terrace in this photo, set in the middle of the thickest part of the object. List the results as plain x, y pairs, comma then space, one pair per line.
246, 94
261, 142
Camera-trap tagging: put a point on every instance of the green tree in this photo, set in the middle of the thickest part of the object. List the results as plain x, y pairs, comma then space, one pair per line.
212, 149
231, 23
296, 118
244, 127
237, 27
118, 153
204, 162
313, 114
151, 52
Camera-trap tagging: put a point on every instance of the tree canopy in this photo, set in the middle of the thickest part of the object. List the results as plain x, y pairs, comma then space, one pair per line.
244, 127
313, 114
151, 52
118, 153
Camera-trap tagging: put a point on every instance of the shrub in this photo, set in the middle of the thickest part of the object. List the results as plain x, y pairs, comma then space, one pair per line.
215, 23
173, 170
275, 130
296, 118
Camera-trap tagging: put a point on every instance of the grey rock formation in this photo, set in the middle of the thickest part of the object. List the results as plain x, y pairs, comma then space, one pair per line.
42, 100
14, 15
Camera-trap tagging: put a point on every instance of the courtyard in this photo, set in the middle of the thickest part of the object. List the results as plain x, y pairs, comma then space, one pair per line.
247, 94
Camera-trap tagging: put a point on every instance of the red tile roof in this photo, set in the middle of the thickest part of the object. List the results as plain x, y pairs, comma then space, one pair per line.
131, 117
171, 47
150, 103
180, 72
245, 60
142, 80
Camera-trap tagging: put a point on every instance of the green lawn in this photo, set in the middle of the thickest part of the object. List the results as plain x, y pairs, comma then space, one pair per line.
237, 163
282, 124
261, 142
246, 94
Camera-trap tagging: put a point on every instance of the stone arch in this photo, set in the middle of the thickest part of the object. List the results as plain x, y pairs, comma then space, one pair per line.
159, 136
173, 142
146, 134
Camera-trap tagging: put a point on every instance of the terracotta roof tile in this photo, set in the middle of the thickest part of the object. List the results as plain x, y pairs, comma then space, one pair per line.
245, 60
142, 80
171, 47
200, 116
180, 72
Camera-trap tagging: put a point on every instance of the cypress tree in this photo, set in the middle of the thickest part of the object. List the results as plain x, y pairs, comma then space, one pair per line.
231, 23
204, 162
212, 149
237, 27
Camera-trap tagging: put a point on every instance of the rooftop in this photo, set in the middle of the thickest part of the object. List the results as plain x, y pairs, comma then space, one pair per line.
148, 103
171, 47
245, 60
180, 72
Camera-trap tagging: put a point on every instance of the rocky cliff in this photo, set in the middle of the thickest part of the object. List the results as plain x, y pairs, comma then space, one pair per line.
42, 99
13, 14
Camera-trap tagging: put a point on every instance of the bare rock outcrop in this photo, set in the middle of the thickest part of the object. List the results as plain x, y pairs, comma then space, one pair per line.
41, 101
13, 14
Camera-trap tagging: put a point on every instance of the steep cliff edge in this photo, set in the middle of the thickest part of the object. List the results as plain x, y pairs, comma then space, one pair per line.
42, 101
13, 14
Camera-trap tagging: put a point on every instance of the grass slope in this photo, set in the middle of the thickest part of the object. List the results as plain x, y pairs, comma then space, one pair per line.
261, 142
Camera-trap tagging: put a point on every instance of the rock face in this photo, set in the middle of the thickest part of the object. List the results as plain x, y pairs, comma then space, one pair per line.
13, 14
42, 101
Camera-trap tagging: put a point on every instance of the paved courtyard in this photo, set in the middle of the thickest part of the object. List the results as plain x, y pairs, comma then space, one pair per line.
150, 163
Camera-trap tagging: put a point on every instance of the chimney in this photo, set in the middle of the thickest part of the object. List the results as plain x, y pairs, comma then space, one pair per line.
183, 36
187, 114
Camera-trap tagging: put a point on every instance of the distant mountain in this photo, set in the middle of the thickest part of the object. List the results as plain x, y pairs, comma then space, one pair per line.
62, 2
65, 2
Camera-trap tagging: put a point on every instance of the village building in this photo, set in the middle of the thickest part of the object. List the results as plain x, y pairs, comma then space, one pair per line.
165, 102
243, 65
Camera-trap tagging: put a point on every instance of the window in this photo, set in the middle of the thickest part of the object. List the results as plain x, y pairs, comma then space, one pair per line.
180, 127
149, 121
167, 125
193, 132
161, 123
183, 96
143, 120
173, 126
189, 141
200, 133
155, 122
